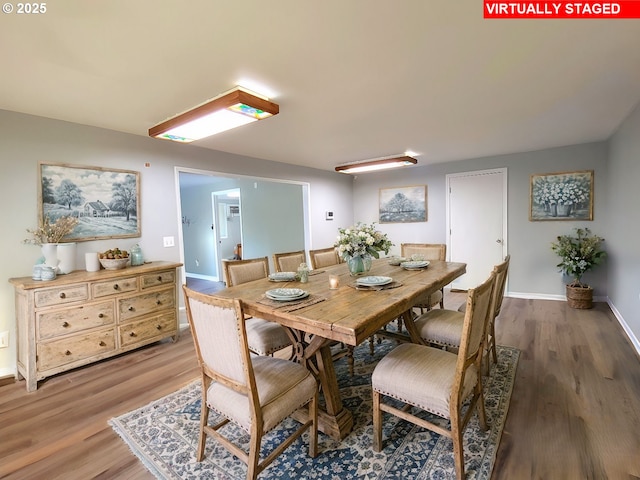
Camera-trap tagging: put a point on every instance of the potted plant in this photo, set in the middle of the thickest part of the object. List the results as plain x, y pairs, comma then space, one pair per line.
358, 243
49, 236
579, 253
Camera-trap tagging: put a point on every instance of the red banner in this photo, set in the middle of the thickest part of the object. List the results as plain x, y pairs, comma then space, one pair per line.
562, 9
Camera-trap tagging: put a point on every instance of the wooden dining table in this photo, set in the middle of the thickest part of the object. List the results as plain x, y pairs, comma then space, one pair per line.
347, 315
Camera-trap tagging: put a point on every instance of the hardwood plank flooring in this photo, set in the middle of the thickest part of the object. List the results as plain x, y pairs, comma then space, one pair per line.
575, 409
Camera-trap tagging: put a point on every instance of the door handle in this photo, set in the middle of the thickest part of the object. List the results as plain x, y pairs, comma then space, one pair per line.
498, 241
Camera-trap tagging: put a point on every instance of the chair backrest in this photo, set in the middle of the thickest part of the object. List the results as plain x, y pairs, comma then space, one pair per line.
323, 257
429, 251
501, 270
220, 339
478, 311
289, 262
243, 271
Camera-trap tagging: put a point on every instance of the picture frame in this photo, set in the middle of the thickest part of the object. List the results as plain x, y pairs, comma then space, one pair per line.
561, 196
403, 204
106, 201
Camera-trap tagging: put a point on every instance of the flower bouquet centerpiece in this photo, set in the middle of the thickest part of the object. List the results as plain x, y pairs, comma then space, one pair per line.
579, 253
358, 244
49, 236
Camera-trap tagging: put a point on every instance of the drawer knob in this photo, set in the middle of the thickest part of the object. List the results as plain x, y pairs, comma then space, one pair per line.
158, 327
101, 315
102, 344
65, 324
116, 287
132, 334
67, 352
131, 309
63, 295
158, 302
159, 278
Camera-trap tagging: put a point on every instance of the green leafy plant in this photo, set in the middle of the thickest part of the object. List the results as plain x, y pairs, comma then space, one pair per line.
579, 253
361, 239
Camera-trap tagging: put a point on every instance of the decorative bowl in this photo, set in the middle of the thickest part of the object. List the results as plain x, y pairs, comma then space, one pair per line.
114, 263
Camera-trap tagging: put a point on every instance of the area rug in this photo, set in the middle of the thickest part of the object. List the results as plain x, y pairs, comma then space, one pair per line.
164, 434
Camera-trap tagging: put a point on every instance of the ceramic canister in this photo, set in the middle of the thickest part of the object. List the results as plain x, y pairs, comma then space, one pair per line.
47, 273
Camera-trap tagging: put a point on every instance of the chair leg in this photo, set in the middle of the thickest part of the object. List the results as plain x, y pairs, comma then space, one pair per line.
204, 416
458, 453
377, 422
350, 361
313, 433
482, 416
442, 299
254, 455
371, 344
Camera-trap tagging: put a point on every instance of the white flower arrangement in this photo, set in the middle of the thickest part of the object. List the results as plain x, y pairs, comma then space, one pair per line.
362, 239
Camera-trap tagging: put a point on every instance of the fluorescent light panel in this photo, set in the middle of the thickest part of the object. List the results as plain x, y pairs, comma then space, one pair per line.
230, 110
379, 164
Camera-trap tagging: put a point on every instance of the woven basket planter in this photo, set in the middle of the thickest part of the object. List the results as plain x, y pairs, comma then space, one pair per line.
579, 296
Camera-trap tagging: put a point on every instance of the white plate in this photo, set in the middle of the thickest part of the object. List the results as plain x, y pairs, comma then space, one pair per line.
415, 265
396, 260
282, 276
286, 294
374, 281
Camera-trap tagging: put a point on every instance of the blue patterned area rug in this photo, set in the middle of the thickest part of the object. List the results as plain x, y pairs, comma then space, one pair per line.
164, 435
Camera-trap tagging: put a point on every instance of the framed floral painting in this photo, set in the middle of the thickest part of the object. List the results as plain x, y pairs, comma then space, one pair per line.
561, 196
106, 201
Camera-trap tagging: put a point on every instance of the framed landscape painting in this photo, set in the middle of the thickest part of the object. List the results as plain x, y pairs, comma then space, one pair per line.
561, 196
105, 201
403, 204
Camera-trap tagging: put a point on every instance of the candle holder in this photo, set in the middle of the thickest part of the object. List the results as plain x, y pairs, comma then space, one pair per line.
334, 282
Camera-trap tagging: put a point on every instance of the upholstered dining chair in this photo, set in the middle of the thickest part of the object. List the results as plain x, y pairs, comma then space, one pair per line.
426, 251
444, 327
436, 380
255, 393
264, 337
323, 257
290, 261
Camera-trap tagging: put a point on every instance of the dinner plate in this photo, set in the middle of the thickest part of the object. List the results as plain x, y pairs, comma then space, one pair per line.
396, 260
374, 281
415, 265
282, 276
286, 294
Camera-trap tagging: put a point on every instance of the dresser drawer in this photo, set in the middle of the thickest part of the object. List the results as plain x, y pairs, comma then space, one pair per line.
60, 352
144, 304
61, 295
70, 320
158, 326
114, 287
156, 279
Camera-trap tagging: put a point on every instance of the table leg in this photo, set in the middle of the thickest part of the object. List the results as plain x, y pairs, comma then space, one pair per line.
334, 420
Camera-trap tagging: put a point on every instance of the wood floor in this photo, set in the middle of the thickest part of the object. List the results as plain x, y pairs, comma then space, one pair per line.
575, 410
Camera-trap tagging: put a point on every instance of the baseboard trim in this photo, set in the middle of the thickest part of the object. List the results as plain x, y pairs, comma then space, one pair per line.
632, 338
202, 277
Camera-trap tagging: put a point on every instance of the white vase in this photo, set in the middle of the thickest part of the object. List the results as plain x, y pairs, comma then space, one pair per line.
66, 257
50, 253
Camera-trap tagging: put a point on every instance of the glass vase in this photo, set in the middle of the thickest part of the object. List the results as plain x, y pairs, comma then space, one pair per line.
359, 264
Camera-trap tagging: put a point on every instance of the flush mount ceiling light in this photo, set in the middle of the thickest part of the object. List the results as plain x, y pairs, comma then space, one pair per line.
394, 161
229, 110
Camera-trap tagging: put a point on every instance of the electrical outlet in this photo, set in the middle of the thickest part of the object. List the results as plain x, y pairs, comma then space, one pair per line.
168, 241
4, 339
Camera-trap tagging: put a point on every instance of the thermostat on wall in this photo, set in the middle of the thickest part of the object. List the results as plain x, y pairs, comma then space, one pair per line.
329, 216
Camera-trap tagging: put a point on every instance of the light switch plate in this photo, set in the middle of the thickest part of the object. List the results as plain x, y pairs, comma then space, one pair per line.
4, 339
329, 215
168, 241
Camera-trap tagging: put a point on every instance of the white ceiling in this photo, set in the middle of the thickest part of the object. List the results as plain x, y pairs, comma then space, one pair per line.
354, 79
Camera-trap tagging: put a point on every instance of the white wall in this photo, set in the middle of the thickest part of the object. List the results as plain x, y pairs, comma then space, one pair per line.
623, 233
25, 140
532, 270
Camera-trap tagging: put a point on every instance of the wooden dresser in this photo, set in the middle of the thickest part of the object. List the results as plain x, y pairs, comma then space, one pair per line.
83, 317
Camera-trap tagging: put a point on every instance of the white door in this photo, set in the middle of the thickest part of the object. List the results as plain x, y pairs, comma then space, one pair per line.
477, 223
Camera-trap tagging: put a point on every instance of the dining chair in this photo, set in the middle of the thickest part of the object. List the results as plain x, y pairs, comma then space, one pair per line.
323, 257
437, 381
444, 327
264, 337
254, 393
426, 251
290, 261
